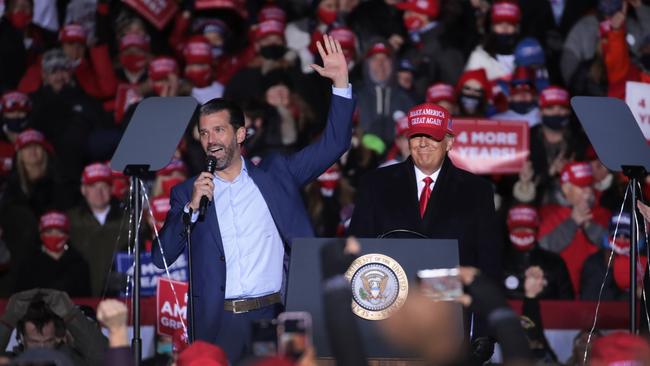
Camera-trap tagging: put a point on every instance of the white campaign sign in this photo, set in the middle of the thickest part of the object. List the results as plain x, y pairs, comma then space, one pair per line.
637, 97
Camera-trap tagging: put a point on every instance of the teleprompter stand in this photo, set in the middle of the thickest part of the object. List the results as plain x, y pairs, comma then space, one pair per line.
148, 145
621, 147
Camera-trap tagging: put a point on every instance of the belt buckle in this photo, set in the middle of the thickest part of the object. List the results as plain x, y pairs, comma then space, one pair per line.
234, 306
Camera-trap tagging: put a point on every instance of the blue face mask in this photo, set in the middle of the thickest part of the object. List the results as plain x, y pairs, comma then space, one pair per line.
164, 348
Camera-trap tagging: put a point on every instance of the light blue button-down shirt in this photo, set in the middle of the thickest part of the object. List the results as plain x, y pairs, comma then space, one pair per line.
251, 242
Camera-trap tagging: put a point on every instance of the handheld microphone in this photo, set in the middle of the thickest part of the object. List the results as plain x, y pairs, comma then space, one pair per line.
210, 165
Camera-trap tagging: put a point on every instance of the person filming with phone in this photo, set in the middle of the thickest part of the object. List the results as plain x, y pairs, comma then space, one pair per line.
240, 248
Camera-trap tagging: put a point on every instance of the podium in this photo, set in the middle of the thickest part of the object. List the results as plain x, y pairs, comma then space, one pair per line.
304, 288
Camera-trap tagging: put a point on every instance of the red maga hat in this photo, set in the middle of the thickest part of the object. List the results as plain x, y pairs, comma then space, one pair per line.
15, 101
202, 353
197, 50
427, 7
620, 349
31, 136
134, 40
440, 91
54, 220
523, 216
345, 36
429, 119
578, 174
72, 33
270, 27
161, 67
377, 48
272, 12
554, 95
479, 75
505, 12
160, 205
97, 172
176, 165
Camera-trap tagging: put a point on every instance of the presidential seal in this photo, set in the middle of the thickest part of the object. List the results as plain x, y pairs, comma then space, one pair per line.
379, 286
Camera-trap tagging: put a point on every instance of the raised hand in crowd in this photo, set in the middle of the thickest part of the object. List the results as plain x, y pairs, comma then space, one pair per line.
334, 65
113, 314
17, 307
618, 19
644, 209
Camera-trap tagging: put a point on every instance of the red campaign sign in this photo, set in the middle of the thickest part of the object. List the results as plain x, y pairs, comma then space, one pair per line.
171, 314
158, 12
237, 5
125, 95
485, 146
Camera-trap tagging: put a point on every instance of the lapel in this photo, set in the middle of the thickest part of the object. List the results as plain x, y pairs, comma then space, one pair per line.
412, 198
442, 191
211, 217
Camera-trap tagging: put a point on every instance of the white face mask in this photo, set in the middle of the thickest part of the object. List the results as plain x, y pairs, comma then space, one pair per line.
522, 240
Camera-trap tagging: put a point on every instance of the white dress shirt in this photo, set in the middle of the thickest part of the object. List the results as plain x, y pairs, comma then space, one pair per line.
419, 178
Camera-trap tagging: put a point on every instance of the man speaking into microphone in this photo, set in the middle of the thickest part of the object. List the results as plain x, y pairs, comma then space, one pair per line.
253, 214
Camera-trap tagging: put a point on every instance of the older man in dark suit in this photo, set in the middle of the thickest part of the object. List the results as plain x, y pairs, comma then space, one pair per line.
428, 195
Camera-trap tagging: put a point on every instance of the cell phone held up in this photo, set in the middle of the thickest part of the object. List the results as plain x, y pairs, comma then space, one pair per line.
440, 284
294, 334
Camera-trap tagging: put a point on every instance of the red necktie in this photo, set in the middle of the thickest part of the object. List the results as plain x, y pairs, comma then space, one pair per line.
424, 196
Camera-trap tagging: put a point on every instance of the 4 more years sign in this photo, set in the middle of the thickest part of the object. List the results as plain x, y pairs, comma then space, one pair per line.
484, 146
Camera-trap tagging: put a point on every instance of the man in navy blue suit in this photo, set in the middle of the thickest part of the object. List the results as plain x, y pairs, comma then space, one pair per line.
239, 251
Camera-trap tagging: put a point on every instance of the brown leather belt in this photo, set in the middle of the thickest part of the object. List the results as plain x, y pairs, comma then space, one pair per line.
239, 306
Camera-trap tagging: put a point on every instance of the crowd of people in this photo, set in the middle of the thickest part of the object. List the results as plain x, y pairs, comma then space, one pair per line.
72, 73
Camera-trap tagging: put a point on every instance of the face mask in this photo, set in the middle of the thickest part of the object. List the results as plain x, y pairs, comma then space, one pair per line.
505, 43
645, 61
470, 103
216, 52
555, 122
522, 241
20, 19
164, 348
15, 124
326, 16
54, 243
413, 23
274, 52
621, 269
618, 245
522, 107
133, 62
199, 78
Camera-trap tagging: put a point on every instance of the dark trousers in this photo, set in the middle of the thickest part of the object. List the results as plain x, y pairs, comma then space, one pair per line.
235, 333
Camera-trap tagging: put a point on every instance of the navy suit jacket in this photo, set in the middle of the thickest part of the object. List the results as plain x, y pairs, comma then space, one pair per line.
279, 179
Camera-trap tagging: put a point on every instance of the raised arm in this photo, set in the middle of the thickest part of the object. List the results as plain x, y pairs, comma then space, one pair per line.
313, 160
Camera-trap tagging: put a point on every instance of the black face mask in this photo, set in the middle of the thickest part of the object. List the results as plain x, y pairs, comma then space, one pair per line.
16, 125
555, 122
504, 44
471, 103
645, 61
274, 52
522, 107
